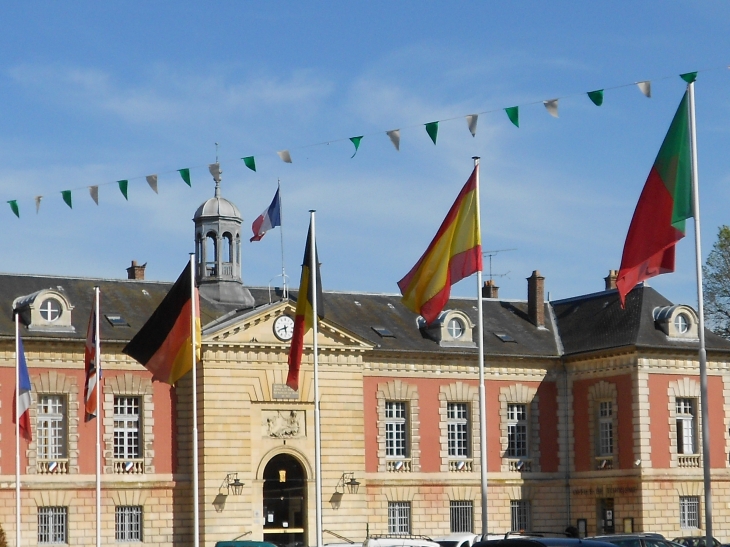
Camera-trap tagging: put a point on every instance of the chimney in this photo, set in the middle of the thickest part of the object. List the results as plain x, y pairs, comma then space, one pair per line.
611, 279
135, 271
536, 299
490, 290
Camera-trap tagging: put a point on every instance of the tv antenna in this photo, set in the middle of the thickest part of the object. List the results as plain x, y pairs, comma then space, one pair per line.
490, 254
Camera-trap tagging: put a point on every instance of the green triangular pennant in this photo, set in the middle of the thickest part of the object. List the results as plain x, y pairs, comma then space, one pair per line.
250, 162
433, 130
123, 184
66, 194
513, 113
185, 174
596, 96
356, 142
14, 206
689, 77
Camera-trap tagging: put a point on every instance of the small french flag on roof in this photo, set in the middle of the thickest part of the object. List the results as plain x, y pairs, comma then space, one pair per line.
270, 218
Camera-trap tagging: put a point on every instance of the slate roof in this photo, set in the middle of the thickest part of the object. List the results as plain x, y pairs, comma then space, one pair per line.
596, 322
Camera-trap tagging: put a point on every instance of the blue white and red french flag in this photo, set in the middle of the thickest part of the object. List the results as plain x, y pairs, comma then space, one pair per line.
271, 218
92, 369
24, 399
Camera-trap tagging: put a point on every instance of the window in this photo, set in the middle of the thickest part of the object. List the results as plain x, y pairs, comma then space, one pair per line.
458, 429
516, 430
50, 309
51, 427
689, 512
52, 524
395, 430
686, 426
399, 517
520, 512
456, 328
128, 523
462, 516
126, 428
605, 428
681, 323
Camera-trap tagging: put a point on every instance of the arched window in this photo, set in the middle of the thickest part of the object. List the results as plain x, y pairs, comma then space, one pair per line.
227, 247
211, 254
238, 249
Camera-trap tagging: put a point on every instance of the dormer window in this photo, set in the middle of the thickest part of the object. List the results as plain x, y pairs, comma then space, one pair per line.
452, 328
456, 328
678, 322
681, 323
50, 309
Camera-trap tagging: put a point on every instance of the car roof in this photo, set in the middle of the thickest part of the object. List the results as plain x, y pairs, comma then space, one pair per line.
524, 541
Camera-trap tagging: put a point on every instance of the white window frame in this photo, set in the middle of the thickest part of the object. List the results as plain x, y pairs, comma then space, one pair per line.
128, 523
52, 525
51, 427
520, 515
461, 516
457, 424
399, 517
396, 429
517, 430
605, 428
686, 408
689, 512
127, 427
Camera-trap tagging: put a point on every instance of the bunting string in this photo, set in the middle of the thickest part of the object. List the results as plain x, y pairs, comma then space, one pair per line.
512, 112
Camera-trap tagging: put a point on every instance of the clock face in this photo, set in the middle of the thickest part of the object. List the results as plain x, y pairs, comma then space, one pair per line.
284, 327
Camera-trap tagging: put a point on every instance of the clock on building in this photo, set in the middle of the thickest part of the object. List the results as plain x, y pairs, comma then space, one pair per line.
284, 327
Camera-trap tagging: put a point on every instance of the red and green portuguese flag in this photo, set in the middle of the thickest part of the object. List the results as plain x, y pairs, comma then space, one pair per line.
664, 205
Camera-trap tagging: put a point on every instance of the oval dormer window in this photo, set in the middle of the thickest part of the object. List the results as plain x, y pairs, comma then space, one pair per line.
50, 309
681, 323
456, 328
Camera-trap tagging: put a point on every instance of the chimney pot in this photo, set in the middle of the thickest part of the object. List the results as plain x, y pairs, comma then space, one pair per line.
610, 279
536, 299
135, 271
490, 290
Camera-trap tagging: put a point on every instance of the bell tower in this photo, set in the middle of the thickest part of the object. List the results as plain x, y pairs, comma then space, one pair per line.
218, 248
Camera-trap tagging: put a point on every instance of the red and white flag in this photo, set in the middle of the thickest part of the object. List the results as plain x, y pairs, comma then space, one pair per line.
92, 370
24, 401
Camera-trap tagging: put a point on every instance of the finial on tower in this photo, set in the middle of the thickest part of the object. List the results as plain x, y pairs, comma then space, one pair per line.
215, 170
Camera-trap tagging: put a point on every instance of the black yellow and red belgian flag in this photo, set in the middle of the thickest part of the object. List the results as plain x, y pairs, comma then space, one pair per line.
164, 344
305, 312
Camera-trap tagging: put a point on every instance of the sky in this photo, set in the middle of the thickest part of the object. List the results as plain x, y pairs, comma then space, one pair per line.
96, 92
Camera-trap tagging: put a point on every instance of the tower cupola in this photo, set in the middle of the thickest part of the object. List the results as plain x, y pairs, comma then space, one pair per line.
218, 248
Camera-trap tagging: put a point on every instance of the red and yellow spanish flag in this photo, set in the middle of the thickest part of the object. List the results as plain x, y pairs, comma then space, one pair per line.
455, 253
305, 312
164, 344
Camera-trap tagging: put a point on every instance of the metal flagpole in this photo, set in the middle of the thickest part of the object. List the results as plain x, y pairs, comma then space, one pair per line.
701, 314
284, 291
17, 430
317, 432
97, 382
482, 390
196, 519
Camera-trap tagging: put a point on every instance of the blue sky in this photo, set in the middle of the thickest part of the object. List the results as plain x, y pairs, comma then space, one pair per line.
91, 93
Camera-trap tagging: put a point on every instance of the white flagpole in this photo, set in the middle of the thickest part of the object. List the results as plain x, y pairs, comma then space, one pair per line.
284, 291
97, 382
701, 314
17, 430
317, 432
196, 517
482, 390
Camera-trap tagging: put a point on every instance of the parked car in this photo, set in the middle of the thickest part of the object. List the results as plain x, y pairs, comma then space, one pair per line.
244, 543
536, 541
457, 540
697, 541
642, 539
399, 540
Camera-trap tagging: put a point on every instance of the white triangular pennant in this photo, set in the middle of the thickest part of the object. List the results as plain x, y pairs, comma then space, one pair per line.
645, 88
285, 156
394, 138
471, 121
215, 171
552, 107
152, 181
94, 193
38, 203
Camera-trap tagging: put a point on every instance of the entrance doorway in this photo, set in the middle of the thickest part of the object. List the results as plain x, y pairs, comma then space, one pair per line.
285, 502
605, 516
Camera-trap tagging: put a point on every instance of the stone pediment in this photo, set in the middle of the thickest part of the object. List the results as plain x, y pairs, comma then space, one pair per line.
258, 328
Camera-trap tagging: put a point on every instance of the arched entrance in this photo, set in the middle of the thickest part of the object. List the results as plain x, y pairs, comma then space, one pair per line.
285, 507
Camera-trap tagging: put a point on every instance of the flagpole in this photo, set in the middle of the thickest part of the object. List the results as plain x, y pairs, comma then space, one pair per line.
482, 390
284, 292
193, 314
317, 432
97, 359
701, 314
17, 430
